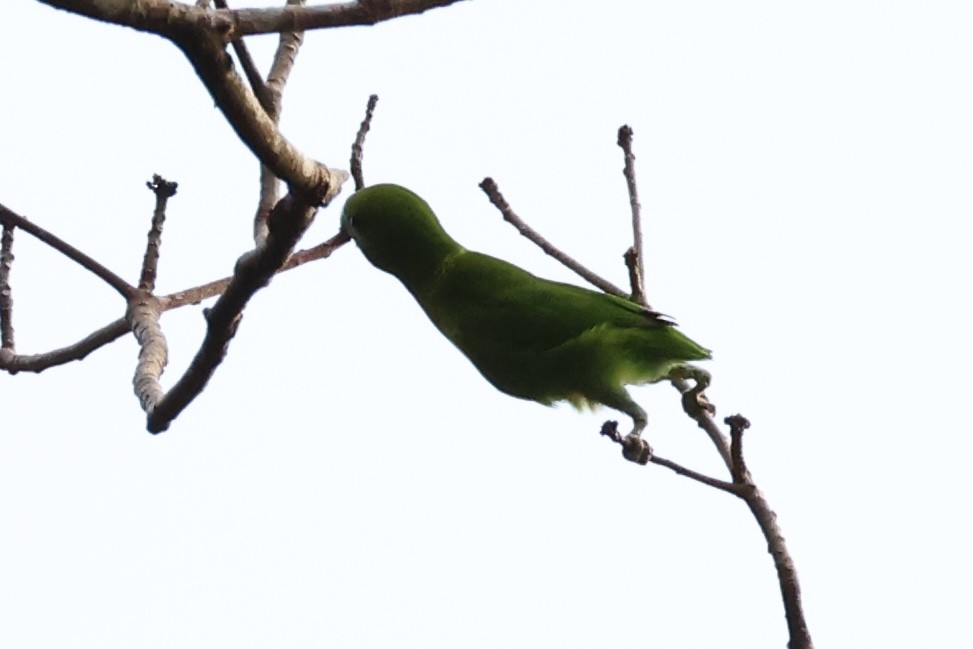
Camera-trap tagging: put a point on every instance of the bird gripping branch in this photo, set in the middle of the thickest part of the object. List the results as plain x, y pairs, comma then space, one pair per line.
530, 337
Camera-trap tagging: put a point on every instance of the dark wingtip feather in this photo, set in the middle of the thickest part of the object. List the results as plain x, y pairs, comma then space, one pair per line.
658, 318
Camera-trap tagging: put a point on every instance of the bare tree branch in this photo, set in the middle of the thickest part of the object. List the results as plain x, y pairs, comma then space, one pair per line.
111, 332
254, 270
257, 129
635, 279
490, 188
201, 34
345, 14
6, 292
790, 588
9, 218
722, 485
704, 420
284, 58
634, 449
142, 317
13, 363
738, 424
149, 15
357, 148
163, 190
250, 70
634, 258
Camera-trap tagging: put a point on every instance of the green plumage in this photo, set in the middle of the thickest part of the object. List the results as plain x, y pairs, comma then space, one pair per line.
530, 337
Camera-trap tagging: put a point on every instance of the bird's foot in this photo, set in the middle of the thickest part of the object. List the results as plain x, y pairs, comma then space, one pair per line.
634, 448
694, 401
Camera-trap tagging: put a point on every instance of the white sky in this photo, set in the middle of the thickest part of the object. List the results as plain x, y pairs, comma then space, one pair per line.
349, 480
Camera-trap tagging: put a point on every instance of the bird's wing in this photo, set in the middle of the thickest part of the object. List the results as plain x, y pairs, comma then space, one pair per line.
478, 299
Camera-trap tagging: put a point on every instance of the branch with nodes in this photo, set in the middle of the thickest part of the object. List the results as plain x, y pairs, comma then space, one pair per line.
271, 95
489, 187
202, 34
6, 294
14, 363
252, 106
254, 270
149, 15
694, 402
273, 253
358, 148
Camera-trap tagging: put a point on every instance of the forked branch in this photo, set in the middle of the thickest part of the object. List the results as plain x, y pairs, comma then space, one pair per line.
731, 452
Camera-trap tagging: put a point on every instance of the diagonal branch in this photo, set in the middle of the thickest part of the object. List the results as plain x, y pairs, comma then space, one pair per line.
111, 332
490, 188
9, 218
254, 270
255, 127
201, 34
249, 66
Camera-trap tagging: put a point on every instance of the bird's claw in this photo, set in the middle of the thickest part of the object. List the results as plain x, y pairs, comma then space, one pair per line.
695, 403
635, 449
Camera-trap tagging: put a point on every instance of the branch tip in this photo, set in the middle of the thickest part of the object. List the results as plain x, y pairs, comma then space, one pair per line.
636, 264
253, 270
357, 147
11, 218
163, 190
489, 187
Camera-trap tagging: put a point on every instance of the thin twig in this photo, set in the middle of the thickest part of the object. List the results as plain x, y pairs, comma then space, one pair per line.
111, 332
738, 424
637, 265
250, 70
202, 292
9, 218
288, 46
246, 115
636, 450
6, 293
635, 279
731, 452
254, 270
357, 148
163, 190
710, 427
722, 485
490, 188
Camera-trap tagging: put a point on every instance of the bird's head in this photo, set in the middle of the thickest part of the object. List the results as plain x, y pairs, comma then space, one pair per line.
397, 231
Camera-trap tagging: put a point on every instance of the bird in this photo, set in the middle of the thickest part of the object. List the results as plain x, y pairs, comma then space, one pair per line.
530, 337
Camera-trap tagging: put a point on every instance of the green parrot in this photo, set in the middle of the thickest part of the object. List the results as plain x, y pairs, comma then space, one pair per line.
530, 337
